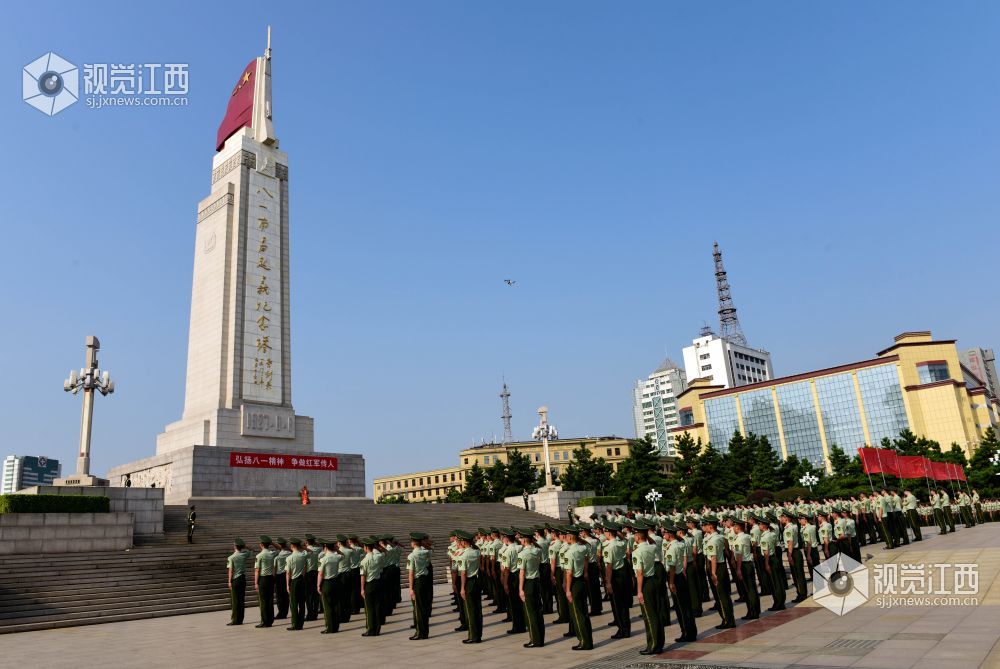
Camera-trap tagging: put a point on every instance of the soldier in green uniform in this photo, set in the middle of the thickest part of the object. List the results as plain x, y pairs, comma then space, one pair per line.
345, 584
312, 567
511, 580
718, 571
295, 572
280, 581
469, 589
910, 507
236, 564
529, 561
594, 599
370, 572
935, 500
644, 565
619, 583
743, 556
790, 540
810, 543
326, 585
964, 509
418, 564
701, 575
577, 590
263, 582
555, 568
675, 557
773, 566
544, 569
949, 516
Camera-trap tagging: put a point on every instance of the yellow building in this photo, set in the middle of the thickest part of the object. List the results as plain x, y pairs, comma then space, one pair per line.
918, 383
434, 485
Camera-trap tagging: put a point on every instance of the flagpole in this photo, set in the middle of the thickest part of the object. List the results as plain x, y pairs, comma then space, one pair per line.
880, 470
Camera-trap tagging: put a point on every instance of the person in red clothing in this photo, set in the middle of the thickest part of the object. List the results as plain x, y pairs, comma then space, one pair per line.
304, 494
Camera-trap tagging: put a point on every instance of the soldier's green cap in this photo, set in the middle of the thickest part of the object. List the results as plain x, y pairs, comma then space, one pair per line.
594, 516
464, 536
389, 537
295, 540
281, 541
417, 536
264, 539
239, 543
708, 518
310, 537
368, 541
667, 527
612, 525
508, 532
494, 530
332, 543
353, 537
791, 515
341, 538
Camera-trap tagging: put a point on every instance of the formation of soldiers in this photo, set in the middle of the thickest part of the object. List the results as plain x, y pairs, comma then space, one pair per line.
680, 561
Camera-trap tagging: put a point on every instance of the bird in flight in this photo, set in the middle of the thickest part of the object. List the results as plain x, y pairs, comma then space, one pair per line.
509, 282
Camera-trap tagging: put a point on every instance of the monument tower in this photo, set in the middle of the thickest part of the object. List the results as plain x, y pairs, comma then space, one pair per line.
238, 393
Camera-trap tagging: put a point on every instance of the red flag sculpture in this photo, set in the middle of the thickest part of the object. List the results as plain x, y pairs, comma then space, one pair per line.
879, 461
911, 466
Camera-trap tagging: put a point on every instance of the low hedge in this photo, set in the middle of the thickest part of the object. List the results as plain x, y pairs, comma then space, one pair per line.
607, 500
54, 504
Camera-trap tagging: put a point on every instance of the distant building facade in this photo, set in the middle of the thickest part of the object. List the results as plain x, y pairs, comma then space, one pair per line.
726, 363
654, 405
918, 383
982, 363
434, 485
25, 471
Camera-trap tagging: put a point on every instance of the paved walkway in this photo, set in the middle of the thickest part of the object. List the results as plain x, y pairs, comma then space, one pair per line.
953, 637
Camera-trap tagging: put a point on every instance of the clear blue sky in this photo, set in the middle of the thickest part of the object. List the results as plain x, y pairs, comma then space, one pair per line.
846, 155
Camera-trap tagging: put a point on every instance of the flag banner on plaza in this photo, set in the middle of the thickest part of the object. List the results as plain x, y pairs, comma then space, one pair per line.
913, 466
958, 472
879, 461
941, 471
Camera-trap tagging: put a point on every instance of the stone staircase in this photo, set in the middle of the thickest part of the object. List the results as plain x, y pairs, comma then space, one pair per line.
165, 576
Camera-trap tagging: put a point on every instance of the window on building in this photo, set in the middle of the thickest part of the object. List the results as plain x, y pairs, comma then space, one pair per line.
486, 459
705, 356
565, 455
930, 372
538, 457
618, 451
453, 476
421, 480
707, 367
609, 452
555, 455
466, 460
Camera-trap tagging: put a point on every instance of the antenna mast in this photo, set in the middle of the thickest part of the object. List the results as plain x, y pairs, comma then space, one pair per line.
508, 435
729, 324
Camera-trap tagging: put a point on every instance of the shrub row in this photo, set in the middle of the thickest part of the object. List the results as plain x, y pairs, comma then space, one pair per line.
54, 504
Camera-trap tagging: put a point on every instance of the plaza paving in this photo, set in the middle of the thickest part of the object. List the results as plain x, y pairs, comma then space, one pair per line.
806, 635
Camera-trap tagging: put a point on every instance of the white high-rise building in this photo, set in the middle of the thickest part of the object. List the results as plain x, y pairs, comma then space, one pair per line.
654, 405
26, 471
725, 363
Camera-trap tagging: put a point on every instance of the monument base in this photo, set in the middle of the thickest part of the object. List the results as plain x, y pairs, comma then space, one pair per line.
217, 471
82, 480
554, 501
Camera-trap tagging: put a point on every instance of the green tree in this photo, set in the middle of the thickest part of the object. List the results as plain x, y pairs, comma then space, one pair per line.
981, 472
765, 464
955, 455
393, 499
585, 472
454, 496
638, 473
708, 477
476, 487
520, 475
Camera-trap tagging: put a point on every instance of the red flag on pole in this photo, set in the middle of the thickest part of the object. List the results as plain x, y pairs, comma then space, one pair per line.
911, 466
939, 470
960, 473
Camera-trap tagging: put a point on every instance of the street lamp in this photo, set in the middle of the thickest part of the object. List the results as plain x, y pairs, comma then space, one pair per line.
89, 379
809, 481
995, 459
653, 496
544, 431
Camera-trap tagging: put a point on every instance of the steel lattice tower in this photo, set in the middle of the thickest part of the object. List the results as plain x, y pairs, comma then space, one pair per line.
729, 324
508, 435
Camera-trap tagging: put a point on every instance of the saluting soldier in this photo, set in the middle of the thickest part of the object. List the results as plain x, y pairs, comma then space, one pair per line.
773, 566
935, 500
418, 564
555, 567
790, 536
715, 562
345, 584
295, 580
529, 560
823, 535
544, 569
701, 576
675, 560
511, 580
312, 567
235, 566
280, 581
743, 556
644, 565
810, 543
619, 584
263, 582
910, 507
469, 590
327, 577
575, 584
370, 573
594, 598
